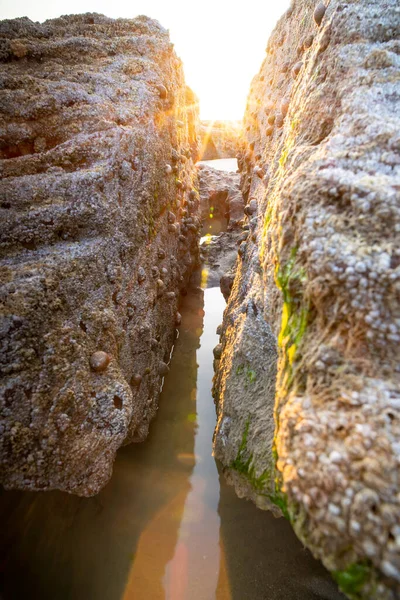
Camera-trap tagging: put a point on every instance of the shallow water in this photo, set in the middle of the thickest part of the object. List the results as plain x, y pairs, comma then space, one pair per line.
167, 526
222, 164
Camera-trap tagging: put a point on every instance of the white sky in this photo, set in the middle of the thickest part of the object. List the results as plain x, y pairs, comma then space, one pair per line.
221, 42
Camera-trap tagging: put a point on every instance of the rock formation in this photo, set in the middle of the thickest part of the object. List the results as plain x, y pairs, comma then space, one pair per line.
315, 298
219, 139
220, 195
221, 206
99, 231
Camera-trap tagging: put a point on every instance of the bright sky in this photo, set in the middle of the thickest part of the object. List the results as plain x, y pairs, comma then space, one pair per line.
221, 42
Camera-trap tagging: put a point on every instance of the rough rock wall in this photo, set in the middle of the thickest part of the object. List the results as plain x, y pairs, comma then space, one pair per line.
318, 283
219, 139
99, 231
220, 196
222, 206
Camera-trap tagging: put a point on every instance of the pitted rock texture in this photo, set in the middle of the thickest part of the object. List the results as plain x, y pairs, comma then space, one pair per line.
222, 206
98, 144
220, 196
219, 139
321, 165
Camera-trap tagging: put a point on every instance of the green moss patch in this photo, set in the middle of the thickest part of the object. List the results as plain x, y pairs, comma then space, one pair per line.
353, 579
280, 500
290, 279
244, 465
250, 374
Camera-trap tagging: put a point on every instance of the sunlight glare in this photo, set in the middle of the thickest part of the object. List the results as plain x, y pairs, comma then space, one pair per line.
222, 44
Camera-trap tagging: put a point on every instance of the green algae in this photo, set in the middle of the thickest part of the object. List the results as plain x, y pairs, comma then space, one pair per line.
244, 465
268, 216
249, 373
353, 579
239, 369
284, 156
290, 279
279, 499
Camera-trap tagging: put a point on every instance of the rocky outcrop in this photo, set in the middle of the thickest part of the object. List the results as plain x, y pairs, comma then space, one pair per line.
317, 287
220, 196
219, 139
99, 231
222, 214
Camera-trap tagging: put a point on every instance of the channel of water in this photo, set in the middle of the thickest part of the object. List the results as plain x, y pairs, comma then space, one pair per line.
167, 526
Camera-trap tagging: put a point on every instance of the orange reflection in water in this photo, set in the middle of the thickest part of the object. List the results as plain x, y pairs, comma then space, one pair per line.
197, 568
179, 555
155, 546
188, 459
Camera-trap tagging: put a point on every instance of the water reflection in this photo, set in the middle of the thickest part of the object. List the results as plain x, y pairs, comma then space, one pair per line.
196, 561
189, 523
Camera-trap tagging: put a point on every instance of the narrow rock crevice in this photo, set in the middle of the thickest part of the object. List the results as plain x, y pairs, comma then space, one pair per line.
105, 214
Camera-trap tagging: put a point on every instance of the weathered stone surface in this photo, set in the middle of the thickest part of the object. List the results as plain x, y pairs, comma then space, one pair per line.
93, 110
221, 205
220, 195
219, 139
320, 275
